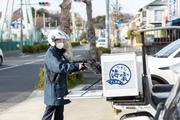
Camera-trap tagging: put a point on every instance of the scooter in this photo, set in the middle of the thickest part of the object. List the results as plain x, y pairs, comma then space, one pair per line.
170, 110
119, 78
150, 99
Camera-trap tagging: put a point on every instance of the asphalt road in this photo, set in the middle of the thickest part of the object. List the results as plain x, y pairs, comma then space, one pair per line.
18, 78
19, 75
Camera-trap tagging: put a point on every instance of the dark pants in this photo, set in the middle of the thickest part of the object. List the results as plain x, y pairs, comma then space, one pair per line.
56, 110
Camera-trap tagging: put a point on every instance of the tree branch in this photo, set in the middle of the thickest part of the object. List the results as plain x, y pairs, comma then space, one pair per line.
86, 1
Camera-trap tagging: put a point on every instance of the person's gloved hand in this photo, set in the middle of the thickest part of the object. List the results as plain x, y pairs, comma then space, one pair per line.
82, 66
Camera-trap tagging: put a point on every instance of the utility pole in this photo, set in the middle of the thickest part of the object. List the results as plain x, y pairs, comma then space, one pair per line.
116, 24
74, 29
44, 21
21, 28
107, 24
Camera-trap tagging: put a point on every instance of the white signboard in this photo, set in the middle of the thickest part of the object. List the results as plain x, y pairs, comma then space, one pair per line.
120, 75
172, 9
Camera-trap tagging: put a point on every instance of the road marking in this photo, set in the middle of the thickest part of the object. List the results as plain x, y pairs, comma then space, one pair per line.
77, 56
24, 56
40, 56
21, 64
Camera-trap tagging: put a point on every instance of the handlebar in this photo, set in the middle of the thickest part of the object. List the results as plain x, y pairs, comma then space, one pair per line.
90, 64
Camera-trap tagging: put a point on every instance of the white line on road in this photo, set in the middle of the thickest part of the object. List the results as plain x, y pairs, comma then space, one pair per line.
24, 56
77, 56
40, 56
21, 64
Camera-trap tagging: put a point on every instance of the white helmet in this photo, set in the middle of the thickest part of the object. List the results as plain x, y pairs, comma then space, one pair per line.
56, 34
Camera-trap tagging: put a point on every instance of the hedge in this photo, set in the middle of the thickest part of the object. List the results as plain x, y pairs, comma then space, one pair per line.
73, 79
84, 41
118, 45
35, 48
41, 47
100, 51
104, 50
75, 43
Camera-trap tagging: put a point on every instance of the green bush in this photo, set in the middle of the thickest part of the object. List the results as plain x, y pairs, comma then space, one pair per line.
100, 51
104, 50
75, 43
84, 41
83, 36
73, 79
134, 34
118, 45
41, 80
35, 48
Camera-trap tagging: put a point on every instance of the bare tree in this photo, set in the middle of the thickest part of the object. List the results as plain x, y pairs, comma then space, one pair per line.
65, 16
65, 23
90, 28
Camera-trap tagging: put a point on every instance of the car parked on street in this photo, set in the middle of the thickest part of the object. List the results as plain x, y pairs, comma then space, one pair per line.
1, 57
159, 64
102, 42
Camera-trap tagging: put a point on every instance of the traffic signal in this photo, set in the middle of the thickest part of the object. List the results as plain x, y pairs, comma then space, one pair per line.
44, 3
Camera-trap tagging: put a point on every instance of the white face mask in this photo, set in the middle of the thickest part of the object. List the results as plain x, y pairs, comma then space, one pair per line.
60, 45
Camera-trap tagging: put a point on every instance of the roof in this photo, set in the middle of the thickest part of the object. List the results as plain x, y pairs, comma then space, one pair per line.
159, 28
155, 3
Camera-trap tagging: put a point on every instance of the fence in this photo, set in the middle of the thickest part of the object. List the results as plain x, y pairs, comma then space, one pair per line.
157, 38
9, 45
14, 43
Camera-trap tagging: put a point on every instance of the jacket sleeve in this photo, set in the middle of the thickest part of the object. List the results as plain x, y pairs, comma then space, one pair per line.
59, 66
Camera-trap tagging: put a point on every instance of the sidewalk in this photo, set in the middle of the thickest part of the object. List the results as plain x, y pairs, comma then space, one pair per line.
78, 109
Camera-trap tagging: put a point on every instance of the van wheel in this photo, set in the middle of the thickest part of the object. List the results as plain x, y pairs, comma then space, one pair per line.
1, 60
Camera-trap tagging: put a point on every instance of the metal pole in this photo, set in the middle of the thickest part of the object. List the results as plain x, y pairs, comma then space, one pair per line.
56, 23
107, 22
21, 29
44, 21
116, 25
35, 16
143, 55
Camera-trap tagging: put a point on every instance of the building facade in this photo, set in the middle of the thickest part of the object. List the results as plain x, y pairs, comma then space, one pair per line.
152, 15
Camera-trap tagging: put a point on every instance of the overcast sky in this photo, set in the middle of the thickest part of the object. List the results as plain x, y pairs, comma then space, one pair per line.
99, 6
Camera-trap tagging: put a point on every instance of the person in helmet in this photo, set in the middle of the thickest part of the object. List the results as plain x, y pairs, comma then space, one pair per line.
56, 68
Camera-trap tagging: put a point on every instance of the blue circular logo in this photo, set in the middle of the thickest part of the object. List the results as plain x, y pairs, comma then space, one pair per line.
119, 74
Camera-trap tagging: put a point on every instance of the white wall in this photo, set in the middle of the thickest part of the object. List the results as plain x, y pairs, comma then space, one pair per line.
178, 8
151, 15
173, 9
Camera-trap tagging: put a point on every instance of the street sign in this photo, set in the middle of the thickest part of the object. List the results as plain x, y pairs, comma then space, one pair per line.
119, 21
172, 9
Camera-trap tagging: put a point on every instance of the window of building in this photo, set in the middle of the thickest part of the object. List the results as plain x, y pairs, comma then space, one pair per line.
158, 15
144, 13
